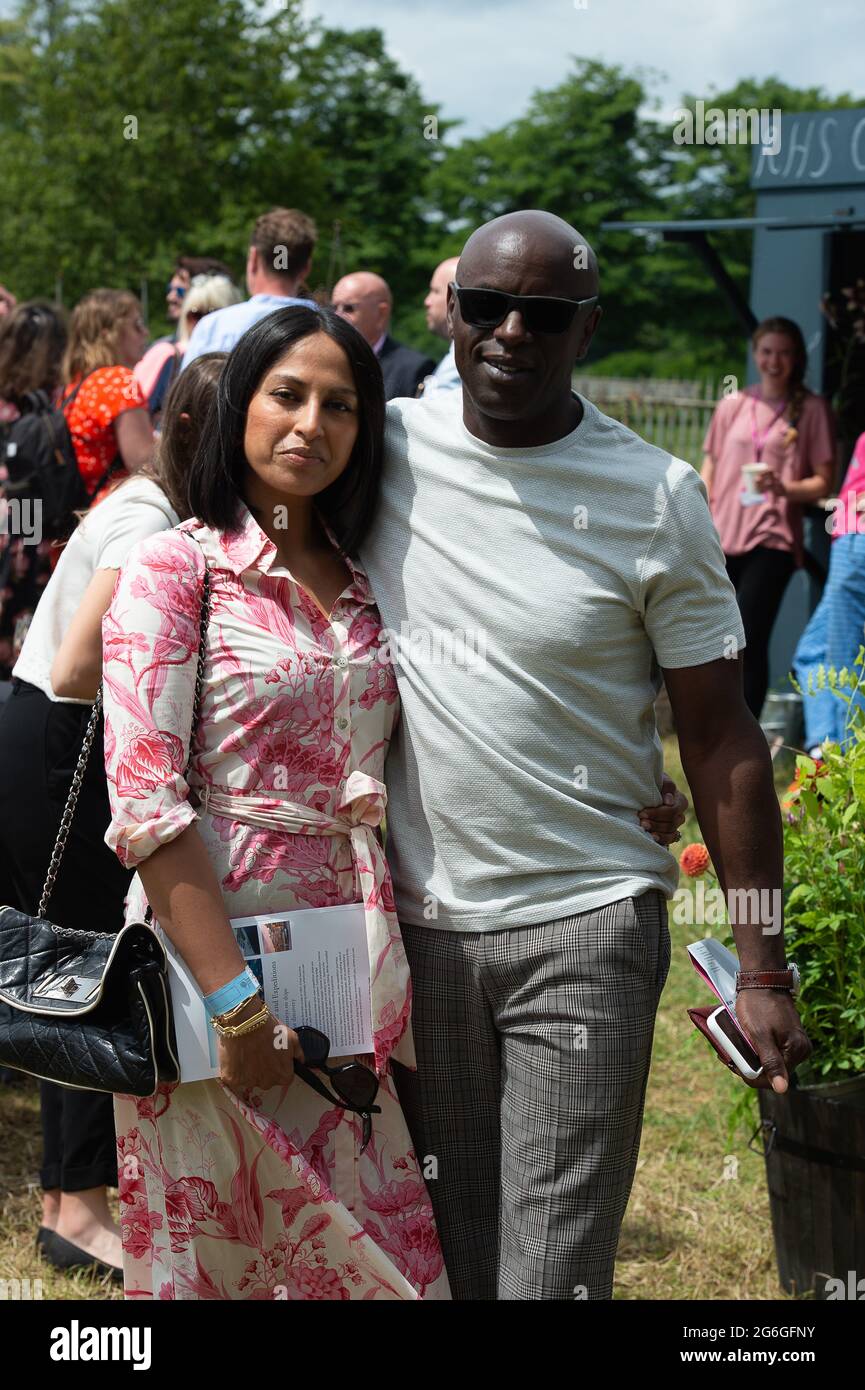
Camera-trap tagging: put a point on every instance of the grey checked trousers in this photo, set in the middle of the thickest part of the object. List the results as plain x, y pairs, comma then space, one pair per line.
533, 1047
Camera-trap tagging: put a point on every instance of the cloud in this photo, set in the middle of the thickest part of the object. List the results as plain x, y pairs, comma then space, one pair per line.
482, 59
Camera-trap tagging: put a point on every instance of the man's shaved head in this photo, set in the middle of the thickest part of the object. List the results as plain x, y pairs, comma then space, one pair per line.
436, 302
553, 246
517, 380
364, 298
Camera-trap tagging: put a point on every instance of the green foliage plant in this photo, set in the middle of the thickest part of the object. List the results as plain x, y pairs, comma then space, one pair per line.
824, 851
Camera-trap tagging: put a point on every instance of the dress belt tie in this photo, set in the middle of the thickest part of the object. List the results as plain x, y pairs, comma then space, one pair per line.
359, 813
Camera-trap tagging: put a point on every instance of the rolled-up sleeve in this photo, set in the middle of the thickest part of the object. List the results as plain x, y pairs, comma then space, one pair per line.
150, 638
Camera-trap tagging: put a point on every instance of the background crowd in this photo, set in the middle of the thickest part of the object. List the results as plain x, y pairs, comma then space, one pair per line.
111, 387
133, 411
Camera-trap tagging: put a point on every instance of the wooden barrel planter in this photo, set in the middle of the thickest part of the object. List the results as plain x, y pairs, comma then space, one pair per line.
814, 1147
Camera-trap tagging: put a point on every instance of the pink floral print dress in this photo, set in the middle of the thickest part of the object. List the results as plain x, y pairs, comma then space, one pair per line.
265, 1196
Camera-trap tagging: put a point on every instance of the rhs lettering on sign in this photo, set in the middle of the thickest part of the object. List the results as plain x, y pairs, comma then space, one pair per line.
820, 147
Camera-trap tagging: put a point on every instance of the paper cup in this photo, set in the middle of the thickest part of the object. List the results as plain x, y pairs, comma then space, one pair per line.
749, 496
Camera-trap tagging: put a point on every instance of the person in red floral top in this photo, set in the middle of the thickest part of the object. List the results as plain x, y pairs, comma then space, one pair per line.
104, 406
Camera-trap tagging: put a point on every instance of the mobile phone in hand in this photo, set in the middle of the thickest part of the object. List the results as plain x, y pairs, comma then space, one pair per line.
730, 1038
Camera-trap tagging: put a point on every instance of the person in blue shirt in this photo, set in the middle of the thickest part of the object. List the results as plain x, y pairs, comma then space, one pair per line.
445, 377
279, 258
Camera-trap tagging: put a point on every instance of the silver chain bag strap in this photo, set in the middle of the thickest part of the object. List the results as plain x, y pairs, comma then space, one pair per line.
90, 1009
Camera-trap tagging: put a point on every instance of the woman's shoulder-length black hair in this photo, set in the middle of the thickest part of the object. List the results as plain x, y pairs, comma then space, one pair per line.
216, 472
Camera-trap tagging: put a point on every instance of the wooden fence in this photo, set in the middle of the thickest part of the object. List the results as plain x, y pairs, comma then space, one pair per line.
674, 415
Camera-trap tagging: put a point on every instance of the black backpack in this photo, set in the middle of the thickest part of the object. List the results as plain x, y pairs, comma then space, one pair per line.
40, 462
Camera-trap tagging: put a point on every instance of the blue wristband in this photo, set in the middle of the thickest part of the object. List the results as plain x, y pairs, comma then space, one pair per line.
243, 986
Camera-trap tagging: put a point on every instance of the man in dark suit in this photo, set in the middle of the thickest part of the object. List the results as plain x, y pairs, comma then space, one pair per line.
366, 301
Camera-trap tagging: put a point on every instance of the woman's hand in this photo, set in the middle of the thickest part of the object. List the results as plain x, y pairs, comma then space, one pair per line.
662, 822
768, 481
260, 1059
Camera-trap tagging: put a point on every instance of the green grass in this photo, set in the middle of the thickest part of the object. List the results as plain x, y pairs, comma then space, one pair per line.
689, 1232
20, 1203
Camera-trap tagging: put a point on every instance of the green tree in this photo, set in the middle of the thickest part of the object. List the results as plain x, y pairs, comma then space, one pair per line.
367, 128
711, 181
131, 133
144, 131
591, 151
577, 152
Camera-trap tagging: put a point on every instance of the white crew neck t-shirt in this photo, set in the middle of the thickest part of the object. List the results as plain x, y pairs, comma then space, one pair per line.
101, 541
530, 596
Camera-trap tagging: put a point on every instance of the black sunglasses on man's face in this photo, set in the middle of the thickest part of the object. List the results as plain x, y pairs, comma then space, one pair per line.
541, 313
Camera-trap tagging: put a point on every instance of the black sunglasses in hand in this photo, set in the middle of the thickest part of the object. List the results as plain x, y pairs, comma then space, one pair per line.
355, 1085
541, 313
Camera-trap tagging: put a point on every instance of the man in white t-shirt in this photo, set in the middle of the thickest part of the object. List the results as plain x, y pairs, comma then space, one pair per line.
538, 568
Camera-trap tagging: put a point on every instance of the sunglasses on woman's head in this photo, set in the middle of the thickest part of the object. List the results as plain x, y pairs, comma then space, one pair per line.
541, 313
355, 1085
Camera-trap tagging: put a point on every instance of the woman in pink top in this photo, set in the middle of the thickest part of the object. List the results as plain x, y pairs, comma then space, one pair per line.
263, 1185
784, 427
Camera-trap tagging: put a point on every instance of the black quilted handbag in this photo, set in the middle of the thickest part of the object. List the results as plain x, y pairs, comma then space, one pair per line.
88, 1009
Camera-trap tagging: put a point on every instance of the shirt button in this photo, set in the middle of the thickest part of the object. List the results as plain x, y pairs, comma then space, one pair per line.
342, 661
342, 723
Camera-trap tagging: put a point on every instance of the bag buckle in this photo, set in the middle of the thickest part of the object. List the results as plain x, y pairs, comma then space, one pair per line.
76, 989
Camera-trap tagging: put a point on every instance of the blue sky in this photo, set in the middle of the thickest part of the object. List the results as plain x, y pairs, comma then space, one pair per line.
481, 59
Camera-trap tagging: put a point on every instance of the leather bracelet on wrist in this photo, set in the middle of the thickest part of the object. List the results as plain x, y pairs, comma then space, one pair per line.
786, 981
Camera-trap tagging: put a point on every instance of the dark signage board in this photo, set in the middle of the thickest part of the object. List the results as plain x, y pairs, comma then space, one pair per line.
817, 149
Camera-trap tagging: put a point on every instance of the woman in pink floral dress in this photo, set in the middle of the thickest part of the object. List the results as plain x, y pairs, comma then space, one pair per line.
253, 1185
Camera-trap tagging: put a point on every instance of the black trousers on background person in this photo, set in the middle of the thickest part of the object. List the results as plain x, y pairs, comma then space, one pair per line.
760, 577
40, 741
